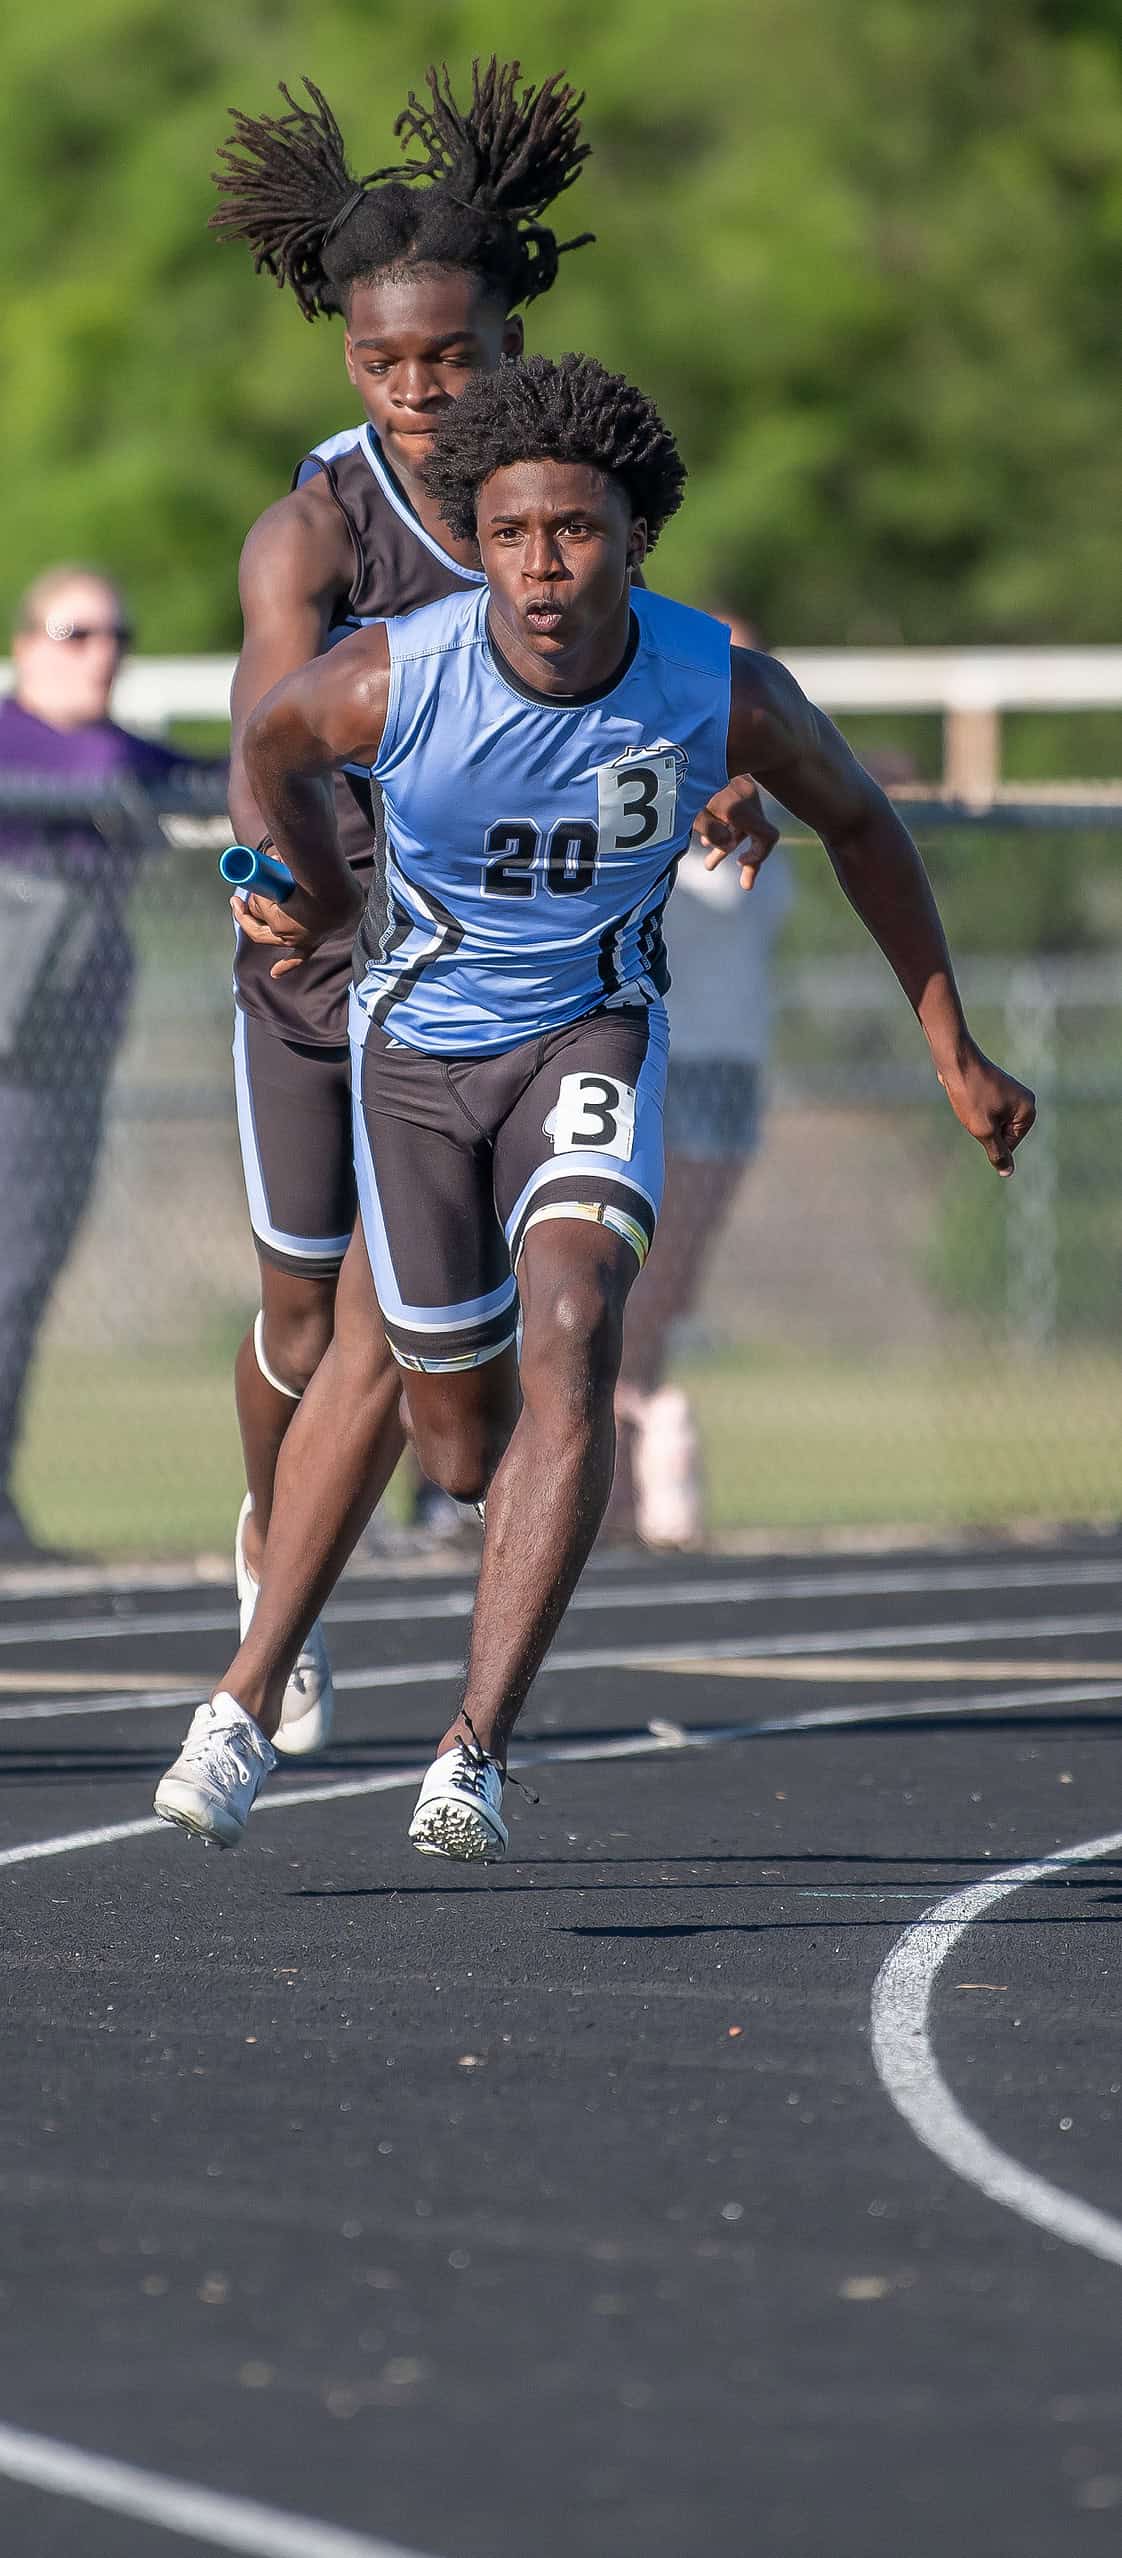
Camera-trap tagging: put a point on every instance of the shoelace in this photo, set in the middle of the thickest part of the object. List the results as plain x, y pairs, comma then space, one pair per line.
479, 1760
211, 1745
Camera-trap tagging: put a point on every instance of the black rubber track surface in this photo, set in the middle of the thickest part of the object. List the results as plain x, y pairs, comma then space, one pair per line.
555, 2210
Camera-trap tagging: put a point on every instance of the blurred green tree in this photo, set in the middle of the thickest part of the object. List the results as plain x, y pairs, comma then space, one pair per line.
868, 258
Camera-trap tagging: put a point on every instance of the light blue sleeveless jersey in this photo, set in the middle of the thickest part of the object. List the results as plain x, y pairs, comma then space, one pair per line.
532, 844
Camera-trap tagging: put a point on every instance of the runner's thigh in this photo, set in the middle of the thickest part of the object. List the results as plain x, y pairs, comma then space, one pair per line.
423, 1162
584, 1139
294, 1125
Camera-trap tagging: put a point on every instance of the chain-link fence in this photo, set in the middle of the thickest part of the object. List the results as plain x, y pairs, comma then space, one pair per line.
115, 1102
869, 1326
888, 1333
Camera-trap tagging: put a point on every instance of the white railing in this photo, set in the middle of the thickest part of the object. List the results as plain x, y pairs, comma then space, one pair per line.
959, 679
969, 687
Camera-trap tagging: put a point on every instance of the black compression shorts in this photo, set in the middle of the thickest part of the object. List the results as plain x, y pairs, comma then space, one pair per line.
457, 1157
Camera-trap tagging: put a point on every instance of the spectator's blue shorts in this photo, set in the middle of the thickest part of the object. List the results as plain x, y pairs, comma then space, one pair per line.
713, 1107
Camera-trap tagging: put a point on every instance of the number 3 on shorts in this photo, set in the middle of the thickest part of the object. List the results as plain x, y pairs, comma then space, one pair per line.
593, 1111
637, 802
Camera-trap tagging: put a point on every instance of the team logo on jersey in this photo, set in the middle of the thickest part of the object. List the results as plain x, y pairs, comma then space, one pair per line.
637, 798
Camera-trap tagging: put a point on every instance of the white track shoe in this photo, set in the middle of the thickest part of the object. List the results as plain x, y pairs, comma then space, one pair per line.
459, 1807
308, 1710
213, 1784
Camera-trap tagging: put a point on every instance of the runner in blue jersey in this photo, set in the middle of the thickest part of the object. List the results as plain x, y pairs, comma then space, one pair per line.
541, 751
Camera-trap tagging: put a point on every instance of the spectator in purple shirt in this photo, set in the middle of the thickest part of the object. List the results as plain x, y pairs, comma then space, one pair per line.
64, 986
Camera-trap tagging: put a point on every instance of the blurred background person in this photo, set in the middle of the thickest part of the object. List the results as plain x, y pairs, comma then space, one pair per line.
68, 961
720, 1021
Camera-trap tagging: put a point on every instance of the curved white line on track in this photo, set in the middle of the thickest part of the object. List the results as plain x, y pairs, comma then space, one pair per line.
904, 2060
909, 2072
195, 2513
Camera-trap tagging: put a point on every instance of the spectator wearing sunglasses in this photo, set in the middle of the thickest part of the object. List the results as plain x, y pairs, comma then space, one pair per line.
68, 962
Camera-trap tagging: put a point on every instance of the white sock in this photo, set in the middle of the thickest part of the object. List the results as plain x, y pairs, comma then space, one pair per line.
226, 1704
269, 1374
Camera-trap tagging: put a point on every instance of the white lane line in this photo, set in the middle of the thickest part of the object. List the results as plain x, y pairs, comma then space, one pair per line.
909, 2072
347, 1789
31, 1850
77, 1702
211, 1572
595, 1595
660, 1735
649, 1656
24, 1683
874, 1638
924, 1709
194, 2513
842, 1670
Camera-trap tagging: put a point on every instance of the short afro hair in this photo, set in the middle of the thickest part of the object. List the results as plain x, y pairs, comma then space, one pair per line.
571, 411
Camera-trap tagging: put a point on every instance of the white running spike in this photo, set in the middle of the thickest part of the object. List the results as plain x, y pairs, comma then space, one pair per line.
211, 1787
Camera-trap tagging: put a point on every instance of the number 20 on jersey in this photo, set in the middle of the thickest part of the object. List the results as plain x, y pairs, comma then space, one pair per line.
636, 811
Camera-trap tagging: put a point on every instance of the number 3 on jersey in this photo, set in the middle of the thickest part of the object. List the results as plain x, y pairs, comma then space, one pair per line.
636, 810
637, 801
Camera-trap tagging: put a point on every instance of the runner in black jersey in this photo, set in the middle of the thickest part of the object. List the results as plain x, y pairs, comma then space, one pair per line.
427, 264
426, 272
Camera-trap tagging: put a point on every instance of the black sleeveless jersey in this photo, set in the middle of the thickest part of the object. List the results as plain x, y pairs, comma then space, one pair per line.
397, 564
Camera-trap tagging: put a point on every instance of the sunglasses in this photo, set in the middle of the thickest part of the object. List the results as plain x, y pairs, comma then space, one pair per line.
75, 634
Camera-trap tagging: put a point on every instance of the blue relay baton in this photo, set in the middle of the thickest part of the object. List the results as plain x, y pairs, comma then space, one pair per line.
244, 869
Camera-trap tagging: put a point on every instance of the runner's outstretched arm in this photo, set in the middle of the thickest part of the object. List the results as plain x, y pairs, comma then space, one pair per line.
800, 756
331, 711
296, 570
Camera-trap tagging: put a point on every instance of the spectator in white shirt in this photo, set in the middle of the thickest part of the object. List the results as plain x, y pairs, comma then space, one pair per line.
719, 1038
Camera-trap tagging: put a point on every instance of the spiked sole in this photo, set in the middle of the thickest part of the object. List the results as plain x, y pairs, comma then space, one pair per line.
181, 1812
454, 1829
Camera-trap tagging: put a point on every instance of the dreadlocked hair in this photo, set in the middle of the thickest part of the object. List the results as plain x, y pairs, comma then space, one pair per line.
473, 199
571, 411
